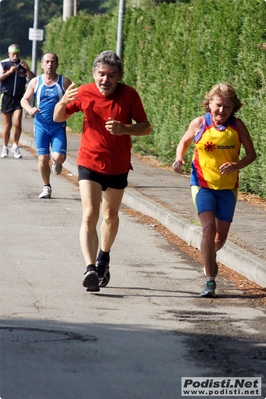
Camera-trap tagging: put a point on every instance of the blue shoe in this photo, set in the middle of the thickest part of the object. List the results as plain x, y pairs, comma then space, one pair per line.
209, 289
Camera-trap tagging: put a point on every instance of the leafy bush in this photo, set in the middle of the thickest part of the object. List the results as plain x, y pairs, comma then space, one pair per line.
173, 54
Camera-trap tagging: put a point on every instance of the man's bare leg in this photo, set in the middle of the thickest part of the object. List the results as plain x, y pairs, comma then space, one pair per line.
91, 193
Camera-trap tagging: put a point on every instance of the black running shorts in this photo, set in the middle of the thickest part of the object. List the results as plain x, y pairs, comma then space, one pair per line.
10, 104
113, 181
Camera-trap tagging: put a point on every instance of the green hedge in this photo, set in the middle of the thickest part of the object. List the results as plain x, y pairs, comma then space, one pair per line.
173, 54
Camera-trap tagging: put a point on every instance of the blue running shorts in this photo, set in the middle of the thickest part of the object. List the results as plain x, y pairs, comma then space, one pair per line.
221, 202
50, 135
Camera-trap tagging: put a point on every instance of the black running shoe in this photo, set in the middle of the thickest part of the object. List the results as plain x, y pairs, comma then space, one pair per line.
91, 280
209, 289
102, 268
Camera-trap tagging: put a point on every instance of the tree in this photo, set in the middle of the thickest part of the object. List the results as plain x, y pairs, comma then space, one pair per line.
17, 16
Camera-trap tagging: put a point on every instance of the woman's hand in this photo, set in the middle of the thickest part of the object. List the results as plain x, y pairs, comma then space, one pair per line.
177, 165
227, 168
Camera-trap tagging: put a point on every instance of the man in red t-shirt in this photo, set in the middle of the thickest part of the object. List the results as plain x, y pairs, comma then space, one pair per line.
109, 108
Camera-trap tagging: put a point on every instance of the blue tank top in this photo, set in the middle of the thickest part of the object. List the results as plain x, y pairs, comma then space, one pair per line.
46, 99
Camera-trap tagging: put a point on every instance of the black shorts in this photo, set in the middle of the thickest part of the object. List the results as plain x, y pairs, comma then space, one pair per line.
10, 104
113, 181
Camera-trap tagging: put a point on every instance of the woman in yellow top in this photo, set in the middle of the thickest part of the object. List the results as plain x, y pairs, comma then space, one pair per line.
217, 136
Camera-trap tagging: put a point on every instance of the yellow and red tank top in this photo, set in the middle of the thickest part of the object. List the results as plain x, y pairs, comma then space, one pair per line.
213, 147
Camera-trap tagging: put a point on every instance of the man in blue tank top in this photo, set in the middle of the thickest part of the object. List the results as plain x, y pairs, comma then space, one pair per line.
50, 136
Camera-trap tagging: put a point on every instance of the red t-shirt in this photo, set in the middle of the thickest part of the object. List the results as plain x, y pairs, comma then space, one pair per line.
100, 150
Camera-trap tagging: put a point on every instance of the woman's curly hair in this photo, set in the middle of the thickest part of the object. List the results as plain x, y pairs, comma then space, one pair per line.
222, 90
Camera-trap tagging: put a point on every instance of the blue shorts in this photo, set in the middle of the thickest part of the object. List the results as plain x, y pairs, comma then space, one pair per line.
50, 135
118, 182
221, 202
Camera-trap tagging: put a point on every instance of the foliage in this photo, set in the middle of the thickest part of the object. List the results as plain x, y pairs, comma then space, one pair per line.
17, 16
173, 54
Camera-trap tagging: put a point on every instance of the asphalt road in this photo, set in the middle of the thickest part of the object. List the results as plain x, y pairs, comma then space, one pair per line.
134, 339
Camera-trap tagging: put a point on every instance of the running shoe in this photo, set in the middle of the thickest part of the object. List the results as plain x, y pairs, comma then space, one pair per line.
102, 268
46, 192
4, 153
15, 151
209, 289
91, 280
56, 168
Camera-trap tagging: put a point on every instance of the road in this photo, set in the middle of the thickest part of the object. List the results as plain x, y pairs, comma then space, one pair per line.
134, 339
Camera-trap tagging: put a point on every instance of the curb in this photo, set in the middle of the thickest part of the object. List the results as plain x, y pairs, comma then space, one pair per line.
230, 255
